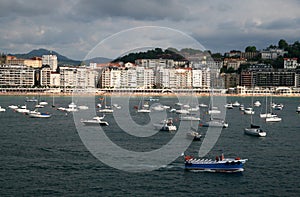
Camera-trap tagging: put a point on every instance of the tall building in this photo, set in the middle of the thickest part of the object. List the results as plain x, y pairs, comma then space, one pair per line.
50, 60
16, 76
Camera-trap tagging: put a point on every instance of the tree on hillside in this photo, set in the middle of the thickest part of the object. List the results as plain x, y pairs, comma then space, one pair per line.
282, 44
250, 49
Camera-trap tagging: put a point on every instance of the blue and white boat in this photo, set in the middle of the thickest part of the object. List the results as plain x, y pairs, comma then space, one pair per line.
220, 164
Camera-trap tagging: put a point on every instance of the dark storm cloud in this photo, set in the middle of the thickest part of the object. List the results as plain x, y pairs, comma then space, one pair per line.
138, 10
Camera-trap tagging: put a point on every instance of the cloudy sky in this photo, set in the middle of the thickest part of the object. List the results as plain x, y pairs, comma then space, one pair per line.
74, 27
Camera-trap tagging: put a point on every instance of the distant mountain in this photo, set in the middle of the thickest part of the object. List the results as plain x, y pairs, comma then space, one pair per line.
98, 60
62, 60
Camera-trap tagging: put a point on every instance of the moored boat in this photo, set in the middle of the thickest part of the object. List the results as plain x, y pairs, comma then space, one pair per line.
255, 131
95, 121
165, 125
220, 164
194, 135
2, 109
39, 115
298, 109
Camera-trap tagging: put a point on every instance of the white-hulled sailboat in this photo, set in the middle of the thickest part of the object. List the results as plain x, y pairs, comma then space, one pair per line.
254, 130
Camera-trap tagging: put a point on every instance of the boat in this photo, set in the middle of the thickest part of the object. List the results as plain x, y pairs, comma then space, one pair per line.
2, 109
267, 114
43, 103
39, 106
202, 105
143, 110
33, 99
13, 106
158, 107
95, 121
143, 106
189, 118
182, 111
255, 131
274, 118
23, 109
214, 110
229, 106
214, 123
83, 107
278, 107
165, 125
242, 107
39, 115
72, 105
193, 109
249, 111
298, 109
236, 104
117, 106
193, 135
220, 164
257, 103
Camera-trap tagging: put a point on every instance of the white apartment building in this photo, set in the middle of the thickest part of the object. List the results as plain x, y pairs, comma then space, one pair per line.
45, 77
290, 63
50, 60
82, 77
155, 63
16, 76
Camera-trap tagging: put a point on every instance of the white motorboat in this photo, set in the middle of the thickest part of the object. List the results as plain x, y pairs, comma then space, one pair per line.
165, 125
255, 131
117, 106
13, 107
257, 103
72, 105
83, 107
242, 107
193, 135
249, 111
2, 109
189, 118
23, 109
273, 119
236, 104
143, 110
43, 103
229, 106
95, 121
267, 115
298, 109
214, 110
39, 106
182, 111
193, 109
202, 105
158, 108
39, 115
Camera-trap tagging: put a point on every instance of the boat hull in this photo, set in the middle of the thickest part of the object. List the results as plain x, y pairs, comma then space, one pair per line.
228, 165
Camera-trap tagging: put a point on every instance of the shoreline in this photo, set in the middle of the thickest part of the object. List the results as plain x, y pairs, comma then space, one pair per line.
139, 94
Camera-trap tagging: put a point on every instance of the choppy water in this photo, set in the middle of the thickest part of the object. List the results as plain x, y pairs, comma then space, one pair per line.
46, 157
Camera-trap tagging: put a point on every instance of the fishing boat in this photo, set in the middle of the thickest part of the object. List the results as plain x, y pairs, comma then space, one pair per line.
165, 125
95, 121
255, 130
220, 164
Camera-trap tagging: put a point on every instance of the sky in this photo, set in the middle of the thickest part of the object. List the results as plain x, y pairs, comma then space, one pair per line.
74, 28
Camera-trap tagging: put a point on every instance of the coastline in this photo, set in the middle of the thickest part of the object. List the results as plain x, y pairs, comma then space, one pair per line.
137, 94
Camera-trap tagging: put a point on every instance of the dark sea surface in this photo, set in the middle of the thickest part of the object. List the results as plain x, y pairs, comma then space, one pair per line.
46, 157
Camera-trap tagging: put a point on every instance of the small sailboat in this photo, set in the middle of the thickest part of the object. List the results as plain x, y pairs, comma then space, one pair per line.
254, 130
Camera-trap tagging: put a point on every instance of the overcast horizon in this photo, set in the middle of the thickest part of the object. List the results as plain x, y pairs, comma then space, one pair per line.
73, 28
